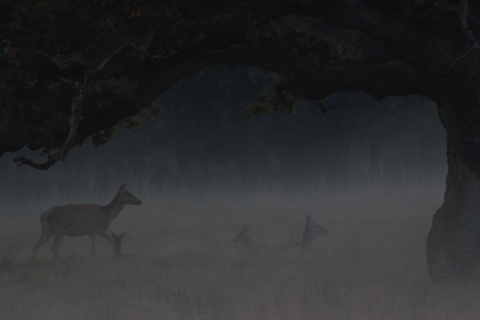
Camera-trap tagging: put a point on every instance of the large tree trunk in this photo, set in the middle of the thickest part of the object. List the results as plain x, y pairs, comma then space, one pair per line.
453, 243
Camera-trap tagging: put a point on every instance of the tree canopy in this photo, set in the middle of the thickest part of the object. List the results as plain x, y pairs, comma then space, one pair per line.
73, 71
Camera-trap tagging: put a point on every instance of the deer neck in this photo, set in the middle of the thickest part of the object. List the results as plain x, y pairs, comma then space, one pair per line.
113, 208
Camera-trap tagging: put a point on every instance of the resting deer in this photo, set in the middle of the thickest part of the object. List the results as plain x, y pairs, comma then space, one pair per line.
145, 260
312, 230
82, 219
243, 237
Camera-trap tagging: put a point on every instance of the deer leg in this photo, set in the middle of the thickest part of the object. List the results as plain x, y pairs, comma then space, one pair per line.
43, 238
117, 244
57, 238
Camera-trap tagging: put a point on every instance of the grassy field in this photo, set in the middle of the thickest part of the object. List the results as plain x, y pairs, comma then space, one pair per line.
181, 262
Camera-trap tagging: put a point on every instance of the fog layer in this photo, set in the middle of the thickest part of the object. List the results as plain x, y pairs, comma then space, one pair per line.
181, 262
371, 172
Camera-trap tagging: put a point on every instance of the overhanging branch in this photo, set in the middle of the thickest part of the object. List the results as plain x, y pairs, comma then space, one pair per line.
75, 118
377, 75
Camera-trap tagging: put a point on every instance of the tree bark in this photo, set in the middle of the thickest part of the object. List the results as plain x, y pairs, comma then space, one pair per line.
453, 243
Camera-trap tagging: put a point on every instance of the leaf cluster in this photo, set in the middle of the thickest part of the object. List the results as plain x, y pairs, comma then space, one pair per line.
317, 57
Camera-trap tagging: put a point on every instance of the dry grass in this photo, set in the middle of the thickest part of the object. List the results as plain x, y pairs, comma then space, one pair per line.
184, 264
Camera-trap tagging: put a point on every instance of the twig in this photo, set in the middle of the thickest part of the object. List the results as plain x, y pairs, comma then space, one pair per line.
463, 16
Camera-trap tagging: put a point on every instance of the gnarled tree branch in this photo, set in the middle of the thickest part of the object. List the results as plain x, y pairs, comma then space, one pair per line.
76, 114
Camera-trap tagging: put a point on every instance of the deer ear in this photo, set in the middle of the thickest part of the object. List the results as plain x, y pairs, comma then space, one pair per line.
122, 187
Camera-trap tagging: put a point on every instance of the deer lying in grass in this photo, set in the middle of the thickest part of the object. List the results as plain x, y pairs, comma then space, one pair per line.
312, 229
243, 237
82, 219
145, 260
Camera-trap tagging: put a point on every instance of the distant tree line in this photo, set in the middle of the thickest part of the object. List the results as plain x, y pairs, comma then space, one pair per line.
202, 139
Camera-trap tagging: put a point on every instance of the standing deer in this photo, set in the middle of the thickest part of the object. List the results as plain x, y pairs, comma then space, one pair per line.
82, 219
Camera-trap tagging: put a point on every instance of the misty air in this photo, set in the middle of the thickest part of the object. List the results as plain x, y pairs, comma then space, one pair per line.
271, 160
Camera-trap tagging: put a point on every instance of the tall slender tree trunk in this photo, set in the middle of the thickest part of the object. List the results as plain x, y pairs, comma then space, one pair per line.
453, 243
